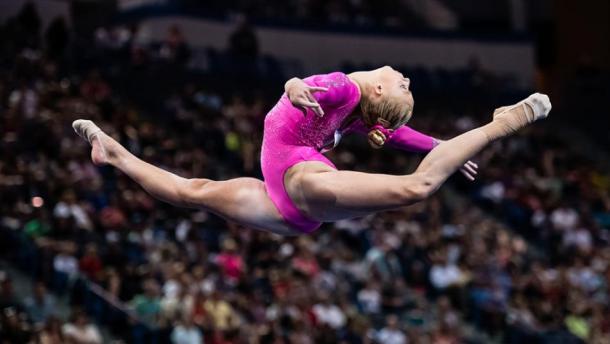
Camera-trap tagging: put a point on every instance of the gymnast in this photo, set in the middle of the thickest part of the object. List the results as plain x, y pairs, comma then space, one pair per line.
301, 187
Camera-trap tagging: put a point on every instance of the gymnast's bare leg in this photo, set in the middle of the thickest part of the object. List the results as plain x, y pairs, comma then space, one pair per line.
242, 200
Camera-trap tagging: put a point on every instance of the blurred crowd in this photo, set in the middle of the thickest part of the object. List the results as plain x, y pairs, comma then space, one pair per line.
35, 318
441, 271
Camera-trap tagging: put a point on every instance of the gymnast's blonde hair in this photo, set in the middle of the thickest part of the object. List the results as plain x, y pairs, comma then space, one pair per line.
390, 113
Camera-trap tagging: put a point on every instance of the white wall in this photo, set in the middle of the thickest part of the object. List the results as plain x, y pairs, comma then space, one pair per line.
324, 51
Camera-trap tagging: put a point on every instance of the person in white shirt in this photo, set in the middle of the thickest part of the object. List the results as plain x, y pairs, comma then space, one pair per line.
391, 333
370, 298
81, 331
444, 274
186, 332
564, 218
66, 263
329, 313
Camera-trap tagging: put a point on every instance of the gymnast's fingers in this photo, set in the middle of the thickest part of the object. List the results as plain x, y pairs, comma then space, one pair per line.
317, 109
470, 169
472, 164
467, 174
317, 89
308, 103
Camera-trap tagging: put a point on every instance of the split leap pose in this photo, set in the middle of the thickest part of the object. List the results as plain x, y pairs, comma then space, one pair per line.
301, 187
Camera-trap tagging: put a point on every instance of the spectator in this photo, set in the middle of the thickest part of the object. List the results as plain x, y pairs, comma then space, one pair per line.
382, 260
94, 88
81, 331
243, 42
52, 332
56, 38
13, 327
7, 296
243, 49
391, 334
174, 49
186, 332
69, 209
91, 264
305, 261
445, 274
147, 305
564, 218
221, 313
65, 263
369, 298
230, 262
40, 306
329, 314
25, 100
178, 305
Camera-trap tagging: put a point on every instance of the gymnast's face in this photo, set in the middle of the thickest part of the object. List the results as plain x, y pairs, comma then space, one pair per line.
393, 86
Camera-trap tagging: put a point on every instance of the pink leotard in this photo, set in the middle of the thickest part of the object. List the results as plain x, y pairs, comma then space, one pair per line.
291, 137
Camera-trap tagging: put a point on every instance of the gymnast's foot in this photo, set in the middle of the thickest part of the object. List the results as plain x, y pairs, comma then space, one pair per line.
509, 119
104, 149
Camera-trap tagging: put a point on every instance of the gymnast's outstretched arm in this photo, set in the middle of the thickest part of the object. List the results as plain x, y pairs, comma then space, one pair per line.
410, 140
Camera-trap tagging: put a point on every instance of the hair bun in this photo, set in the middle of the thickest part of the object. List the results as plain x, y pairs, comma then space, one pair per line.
376, 138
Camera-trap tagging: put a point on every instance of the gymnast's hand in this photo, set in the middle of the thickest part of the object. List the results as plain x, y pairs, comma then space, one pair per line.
301, 96
469, 170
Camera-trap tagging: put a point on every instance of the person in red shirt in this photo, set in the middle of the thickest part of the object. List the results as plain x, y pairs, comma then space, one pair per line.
91, 264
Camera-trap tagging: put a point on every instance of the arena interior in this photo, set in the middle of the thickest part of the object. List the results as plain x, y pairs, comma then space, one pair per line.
520, 255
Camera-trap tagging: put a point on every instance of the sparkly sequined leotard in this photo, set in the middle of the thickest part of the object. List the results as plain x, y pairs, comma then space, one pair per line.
291, 138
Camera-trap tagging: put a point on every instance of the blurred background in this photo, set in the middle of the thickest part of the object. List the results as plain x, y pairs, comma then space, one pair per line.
521, 255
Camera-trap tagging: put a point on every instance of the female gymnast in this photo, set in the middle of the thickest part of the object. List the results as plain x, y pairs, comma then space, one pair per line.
301, 187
